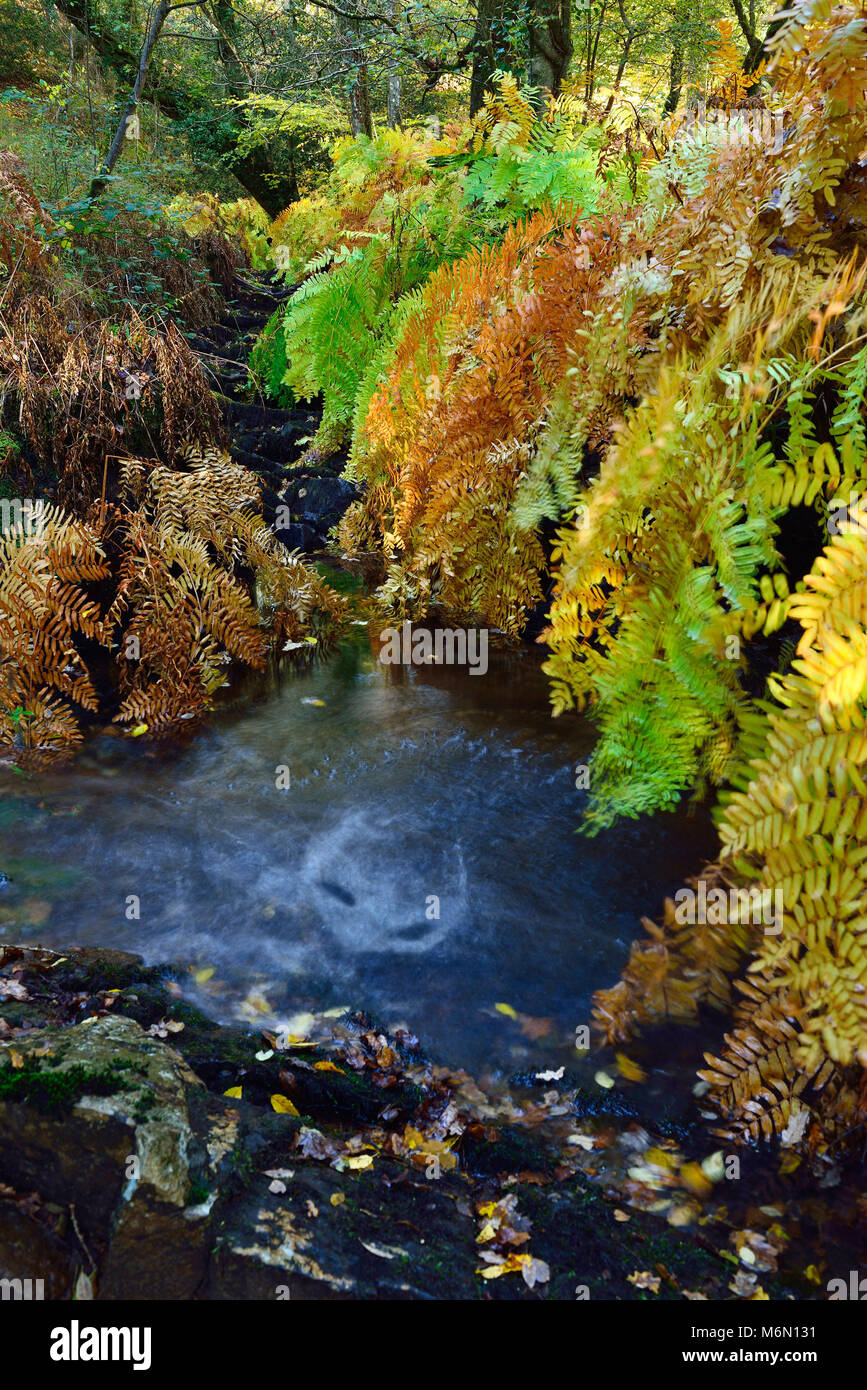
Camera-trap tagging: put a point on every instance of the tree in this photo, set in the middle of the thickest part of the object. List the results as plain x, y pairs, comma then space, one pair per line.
550, 39
495, 45
154, 29
252, 166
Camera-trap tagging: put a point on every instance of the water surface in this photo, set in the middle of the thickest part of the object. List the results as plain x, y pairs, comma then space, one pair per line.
412, 793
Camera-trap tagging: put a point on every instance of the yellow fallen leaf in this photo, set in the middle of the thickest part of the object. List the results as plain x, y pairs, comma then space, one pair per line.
693, 1177
234, 1092
629, 1069
202, 976
813, 1274
328, 1066
643, 1279
486, 1233
603, 1079
283, 1105
15, 1058
337, 1198
362, 1161
139, 730
507, 1010
511, 1265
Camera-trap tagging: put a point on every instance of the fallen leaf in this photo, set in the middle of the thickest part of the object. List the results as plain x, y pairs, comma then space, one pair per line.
693, 1176
507, 1010
378, 1250
328, 1066
12, 989
337, 1198
234, 1092
643, 1279
534, 1271
629, 1069
284, 1106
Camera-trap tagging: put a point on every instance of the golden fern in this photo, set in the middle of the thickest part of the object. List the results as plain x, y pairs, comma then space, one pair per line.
46, 565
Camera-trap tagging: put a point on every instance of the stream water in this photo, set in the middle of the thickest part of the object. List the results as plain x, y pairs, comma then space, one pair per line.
422, 862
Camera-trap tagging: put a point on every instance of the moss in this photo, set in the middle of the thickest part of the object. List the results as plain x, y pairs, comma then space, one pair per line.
143, 1107
199, 1193
54, 1091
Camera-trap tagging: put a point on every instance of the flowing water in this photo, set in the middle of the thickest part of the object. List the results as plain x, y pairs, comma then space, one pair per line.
422, 861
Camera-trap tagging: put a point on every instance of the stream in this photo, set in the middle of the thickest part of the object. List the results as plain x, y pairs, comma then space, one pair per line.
421, 863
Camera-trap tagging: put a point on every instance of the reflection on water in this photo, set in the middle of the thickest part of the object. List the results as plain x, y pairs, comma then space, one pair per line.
421, 863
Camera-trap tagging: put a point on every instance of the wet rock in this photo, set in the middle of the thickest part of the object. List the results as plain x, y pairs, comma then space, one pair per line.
97, 1116
320, 500
385, 1235
299, 535
37, 1244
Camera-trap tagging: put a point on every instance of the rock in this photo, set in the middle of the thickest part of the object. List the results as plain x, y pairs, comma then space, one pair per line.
298, 535
98, 1117
389, 1235
320, 501
37, 1244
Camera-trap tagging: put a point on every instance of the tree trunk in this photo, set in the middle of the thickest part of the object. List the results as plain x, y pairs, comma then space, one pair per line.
493, 48
100, 182
747, 22
675, 78
358, 96
395, 117
763, 51
550, 46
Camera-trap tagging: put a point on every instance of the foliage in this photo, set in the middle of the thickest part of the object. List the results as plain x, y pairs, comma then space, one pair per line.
195, 581
155, 541
449, 433
243, 221
796, 832
44, 605
394, 210
650, 401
